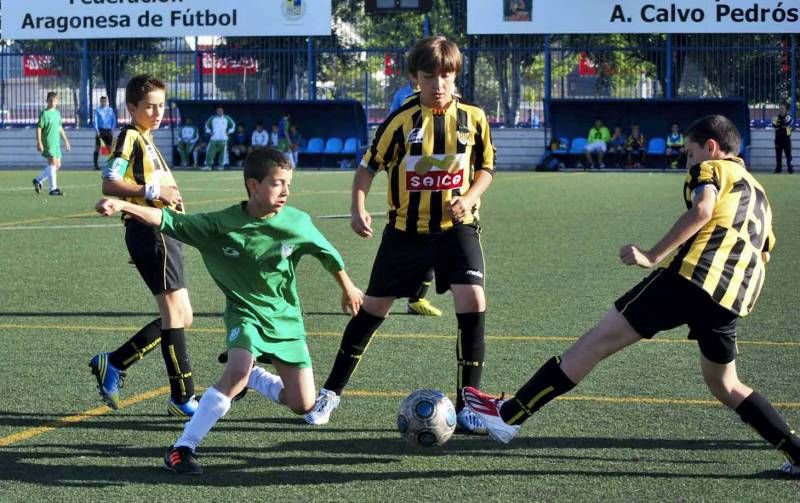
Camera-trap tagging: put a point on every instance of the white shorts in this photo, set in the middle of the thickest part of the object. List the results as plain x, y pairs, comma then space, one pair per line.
596, 146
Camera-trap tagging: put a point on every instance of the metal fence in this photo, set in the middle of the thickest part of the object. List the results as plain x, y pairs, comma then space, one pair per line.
509, 76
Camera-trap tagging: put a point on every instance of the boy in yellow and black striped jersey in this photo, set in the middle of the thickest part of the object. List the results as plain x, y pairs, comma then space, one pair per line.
437, 152
137, 172
723, 241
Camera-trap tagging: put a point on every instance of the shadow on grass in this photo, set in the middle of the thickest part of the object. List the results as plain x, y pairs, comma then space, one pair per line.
343, 460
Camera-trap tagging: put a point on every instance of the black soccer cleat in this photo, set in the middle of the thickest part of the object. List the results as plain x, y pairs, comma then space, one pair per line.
37, 186
56, 192
182, 460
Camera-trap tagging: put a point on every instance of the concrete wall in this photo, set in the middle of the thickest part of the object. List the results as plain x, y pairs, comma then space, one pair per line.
516, 148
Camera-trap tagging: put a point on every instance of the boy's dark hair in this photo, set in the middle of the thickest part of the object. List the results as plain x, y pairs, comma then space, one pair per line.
259, 123
718, 128
675, 124
260, 162
434, 54
139, 86
52, 94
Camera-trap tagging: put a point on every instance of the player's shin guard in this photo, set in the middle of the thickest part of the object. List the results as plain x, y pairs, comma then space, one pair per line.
546, 384
213, 406
137, 346
470, 350
356, 338
179, 369
422, 291
759, 414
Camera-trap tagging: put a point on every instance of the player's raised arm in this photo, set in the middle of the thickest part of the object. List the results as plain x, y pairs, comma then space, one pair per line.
685, 227
109, 207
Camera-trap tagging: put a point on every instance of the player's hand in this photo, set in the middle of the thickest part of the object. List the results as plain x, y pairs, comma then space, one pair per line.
458, 208
361, 222
68, 146
633, 255
39, 147
170, 195
108, 207
352, 298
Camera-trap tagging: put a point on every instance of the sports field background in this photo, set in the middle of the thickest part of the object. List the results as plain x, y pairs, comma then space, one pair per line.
643, 426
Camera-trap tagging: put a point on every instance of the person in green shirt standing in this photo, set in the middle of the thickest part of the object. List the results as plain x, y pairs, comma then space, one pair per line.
49, 133
251, 251
597, 143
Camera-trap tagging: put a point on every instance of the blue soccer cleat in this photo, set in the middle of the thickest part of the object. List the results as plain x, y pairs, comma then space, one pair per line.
186, 409
109, 379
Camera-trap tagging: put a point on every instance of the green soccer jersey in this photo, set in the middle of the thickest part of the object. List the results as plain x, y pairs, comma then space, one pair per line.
50, 124
253, 262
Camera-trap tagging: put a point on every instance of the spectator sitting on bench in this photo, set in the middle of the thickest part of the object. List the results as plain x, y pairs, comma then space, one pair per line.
239, 146
259, 138
188, 136
551, 160
636, 147
296, 140
675, 146
596, 143
616, 146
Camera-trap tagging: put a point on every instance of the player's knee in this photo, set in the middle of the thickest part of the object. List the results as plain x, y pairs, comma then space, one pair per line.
300, 404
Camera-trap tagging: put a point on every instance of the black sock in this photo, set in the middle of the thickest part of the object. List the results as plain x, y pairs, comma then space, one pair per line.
547, 383
422, 291
95, 159
758, 413
137, 346
470, 350
355, 340
179, 369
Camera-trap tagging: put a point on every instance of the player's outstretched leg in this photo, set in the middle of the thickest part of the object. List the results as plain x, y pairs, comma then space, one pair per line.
488, 408
503, 418
109, 379
356, 338
109, 368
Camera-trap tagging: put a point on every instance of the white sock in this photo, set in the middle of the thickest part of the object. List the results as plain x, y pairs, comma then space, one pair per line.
265, 383
51, 174
43, 174
213, 405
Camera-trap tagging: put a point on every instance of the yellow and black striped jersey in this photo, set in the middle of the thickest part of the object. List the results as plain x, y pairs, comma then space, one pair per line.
724, 257
136, 160
430, 157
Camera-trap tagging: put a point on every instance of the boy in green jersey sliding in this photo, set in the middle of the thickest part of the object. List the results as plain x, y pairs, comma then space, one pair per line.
251, 251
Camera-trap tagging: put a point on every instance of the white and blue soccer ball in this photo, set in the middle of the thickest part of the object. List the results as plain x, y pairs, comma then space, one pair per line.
426, 418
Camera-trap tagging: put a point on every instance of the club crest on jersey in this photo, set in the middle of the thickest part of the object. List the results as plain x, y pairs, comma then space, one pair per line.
286, 249
235, 331
416, 135
463, 134
434, 172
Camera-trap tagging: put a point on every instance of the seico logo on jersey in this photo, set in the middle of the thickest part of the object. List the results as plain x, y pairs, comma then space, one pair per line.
435, 172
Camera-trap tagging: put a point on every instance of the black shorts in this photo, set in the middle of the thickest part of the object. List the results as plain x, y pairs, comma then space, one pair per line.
106, 135
404, 259
665, 300
158, 257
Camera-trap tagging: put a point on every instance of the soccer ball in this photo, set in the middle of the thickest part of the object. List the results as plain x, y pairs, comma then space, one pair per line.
426, 418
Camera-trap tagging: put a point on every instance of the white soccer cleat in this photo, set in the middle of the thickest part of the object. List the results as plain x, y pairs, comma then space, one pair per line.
327, 402
470, 423
487, 408
790, 469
